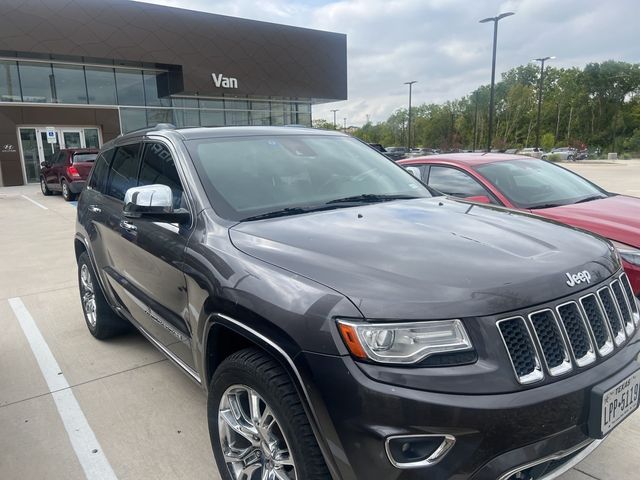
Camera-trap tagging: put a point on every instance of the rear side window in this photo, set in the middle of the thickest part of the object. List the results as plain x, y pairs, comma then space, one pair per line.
100, 170
84, 157
124, 170
158, 167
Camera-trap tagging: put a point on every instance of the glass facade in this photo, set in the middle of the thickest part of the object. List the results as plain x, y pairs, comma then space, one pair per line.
142, 96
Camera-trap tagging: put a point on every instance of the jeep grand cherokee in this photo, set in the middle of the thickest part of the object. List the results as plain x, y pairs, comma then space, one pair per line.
347, 324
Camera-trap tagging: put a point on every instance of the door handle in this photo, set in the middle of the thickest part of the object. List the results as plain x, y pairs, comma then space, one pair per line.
94, 209
128, 226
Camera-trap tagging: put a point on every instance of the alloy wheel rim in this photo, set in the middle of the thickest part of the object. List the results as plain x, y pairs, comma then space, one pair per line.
65, 189
43, 186
88, 295
253, 444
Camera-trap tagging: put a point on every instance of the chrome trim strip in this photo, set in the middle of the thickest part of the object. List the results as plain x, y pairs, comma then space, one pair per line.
628, 326
588, 447
588, 357
448, 441
566, 365
621, 336
537, 374
631, 306
192, 373
608, 347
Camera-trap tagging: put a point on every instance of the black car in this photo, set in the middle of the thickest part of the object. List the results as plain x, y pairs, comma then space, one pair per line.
347, 324
396, 153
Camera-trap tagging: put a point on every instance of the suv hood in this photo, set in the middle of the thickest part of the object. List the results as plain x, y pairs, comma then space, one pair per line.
617, 217
429, 258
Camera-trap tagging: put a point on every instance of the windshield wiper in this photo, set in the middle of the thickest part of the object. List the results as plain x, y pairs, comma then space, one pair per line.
547, 205
370, 198
591, 198
279, 213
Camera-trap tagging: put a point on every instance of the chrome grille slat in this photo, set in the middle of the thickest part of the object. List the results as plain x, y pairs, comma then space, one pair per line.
571, 334
623, 307
522, 353
598, 324
576, 330
635, 307
615, 322
552, 344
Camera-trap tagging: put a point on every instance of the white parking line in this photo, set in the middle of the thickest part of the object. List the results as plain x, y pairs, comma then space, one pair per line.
84, 442
34, 202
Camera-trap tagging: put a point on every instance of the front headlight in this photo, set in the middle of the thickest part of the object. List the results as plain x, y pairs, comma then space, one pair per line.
403, 343
628, 253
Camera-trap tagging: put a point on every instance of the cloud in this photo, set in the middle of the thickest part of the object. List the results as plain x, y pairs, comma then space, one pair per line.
440, 43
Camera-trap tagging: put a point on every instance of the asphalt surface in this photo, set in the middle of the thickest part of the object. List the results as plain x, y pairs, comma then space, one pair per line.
72, 407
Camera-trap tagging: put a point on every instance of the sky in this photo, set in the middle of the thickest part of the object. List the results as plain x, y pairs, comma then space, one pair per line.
441, 44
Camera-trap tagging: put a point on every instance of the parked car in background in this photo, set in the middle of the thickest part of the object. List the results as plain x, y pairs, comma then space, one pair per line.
342, 321
568, 154
378, 147
396, 153
542, 188
67, 172
534, 152
420, 152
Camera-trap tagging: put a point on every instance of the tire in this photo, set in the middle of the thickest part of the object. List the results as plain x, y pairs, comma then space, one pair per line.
66, 192
250, 372
100, 318
43, 186
570, 158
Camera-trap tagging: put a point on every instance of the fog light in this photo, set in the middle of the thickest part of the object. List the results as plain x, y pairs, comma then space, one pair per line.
417, 451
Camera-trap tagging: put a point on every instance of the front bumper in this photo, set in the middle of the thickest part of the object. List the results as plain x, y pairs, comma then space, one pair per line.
495, 434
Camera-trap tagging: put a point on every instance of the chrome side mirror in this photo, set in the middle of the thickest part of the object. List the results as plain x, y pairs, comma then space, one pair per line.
154, 202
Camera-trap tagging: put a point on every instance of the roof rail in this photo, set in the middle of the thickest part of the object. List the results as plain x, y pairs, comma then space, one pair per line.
158, 126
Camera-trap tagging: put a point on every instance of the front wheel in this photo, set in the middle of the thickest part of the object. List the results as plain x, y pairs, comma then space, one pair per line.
570, 158
101, 320
257, 424
43, 186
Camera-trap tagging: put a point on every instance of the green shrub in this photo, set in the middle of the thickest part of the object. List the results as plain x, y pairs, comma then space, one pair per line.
554, 157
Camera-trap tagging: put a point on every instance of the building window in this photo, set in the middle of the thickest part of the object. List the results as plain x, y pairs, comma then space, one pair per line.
156, 84
159, 115
236, 117
215, 104
236, 105
37, 82
130, 87
186, 117
101, 85
132, 119
212, 118
9, 82
70, 86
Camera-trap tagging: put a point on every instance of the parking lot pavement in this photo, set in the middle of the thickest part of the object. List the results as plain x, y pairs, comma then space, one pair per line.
147, 418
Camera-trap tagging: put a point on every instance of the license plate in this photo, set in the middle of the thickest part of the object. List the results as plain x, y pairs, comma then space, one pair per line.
618, 402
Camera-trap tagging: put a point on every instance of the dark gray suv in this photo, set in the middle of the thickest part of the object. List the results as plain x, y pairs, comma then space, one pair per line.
344, 322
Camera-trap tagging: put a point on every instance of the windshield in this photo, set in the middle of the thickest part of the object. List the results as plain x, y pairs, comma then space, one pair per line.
249, 176
84, 157
533, 183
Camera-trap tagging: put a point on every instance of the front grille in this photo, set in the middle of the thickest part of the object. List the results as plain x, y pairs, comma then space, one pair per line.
586, 327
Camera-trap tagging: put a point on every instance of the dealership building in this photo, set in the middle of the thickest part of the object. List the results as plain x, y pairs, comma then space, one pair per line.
78, 73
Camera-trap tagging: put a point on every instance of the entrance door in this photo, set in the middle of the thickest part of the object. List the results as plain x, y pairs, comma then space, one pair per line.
36, 149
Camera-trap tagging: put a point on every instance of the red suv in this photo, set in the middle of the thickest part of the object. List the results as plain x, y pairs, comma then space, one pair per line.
67, 172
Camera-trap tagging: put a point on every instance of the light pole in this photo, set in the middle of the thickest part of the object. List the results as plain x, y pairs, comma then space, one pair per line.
409, 122
495, 21
541, 60
334, 119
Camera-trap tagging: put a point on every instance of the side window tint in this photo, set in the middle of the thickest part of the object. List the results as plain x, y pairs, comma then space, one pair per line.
124, 170
99, 171
158, 167
455, 183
